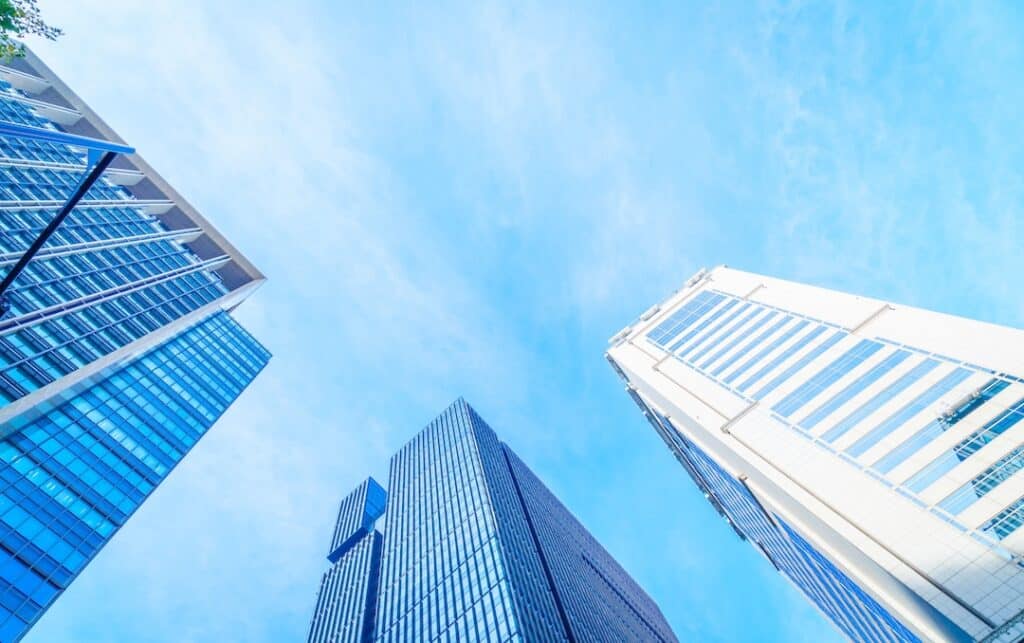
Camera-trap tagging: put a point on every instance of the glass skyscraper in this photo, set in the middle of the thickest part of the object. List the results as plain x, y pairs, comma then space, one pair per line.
872, 452
474, 548
118, 352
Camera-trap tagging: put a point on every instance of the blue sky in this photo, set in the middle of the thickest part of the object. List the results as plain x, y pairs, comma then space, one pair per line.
469, 199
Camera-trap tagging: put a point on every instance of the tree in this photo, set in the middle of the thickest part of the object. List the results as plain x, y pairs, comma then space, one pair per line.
19, 18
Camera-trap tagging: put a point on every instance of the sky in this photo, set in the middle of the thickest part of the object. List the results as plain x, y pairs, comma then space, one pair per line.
471, 198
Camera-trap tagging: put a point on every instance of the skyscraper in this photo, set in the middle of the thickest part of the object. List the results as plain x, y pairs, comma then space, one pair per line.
118, 352
475, 548
871, 451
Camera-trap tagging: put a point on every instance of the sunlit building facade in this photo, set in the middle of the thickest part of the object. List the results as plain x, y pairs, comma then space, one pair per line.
871, 451
474, 547
119, 351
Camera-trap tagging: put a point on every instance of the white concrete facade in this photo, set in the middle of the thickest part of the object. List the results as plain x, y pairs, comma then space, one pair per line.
925, 392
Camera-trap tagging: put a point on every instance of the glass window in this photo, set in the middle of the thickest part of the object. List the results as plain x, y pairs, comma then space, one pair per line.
1006, 521
745, 333
782, 357
984, 482
779, 341
851, 390
912, 408
703, 339
751, 345
683, 318
967, 447
704, 324
818, 382
881, 398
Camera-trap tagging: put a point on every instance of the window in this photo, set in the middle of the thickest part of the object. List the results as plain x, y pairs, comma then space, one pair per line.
912, 408
851, 390
934, 429
683, 318
842, 365
877, 401
779, 341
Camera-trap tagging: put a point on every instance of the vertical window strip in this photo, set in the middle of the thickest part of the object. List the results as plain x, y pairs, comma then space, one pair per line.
1006, 521
782, 357
984, 482
842, 397
967, 447
912, 408
754, 342
704, 324
909, 447
779, 341
743, 352
742, 335
703, 340
726, 335
878, 400
687, 314
990, 432
817, 383
800, 364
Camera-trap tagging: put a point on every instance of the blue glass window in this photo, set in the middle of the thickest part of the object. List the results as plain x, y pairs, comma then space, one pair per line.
877, 401
855, 387
779, 341
727, 335
683, 318
751, 345
72, 476
704, 324
912, 408
703, 340
799, 364
858, 615
1006, 521
984, 482
842, 365
745, 333
933, 430
782, 357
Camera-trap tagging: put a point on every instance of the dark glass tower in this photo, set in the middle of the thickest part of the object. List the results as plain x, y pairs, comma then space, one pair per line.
119, 351
475, 548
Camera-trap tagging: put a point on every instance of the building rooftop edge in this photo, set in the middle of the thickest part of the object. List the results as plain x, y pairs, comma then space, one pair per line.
251, 272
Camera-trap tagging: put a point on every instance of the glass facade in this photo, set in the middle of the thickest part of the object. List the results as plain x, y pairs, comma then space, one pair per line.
86, 434
842, 398
356, 516
853, 611
874, 453
347, 601
73, 476
476, 548
111, 274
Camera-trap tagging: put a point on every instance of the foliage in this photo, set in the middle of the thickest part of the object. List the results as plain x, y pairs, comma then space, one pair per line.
19, 18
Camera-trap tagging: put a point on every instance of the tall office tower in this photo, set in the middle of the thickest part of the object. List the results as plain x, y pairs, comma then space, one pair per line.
475, 548
872, 452
118, 352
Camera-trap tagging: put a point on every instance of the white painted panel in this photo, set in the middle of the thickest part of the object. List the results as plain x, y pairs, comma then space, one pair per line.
726, 403
997, 347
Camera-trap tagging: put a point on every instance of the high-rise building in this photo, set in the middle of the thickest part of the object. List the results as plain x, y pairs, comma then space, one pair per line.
118, 352
871, 451
474, 548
